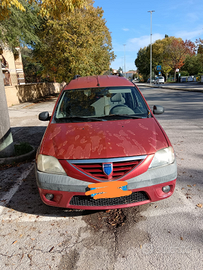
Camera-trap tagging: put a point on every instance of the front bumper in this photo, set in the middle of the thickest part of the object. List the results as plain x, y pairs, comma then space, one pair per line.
70, 192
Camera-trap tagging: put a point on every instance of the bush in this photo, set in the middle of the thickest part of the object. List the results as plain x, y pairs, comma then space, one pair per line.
184, 73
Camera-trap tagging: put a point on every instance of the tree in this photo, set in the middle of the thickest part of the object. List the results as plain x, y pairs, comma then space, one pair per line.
5, 6
32, 69
48, 8
169, 52
193, 64
80, 43
120, 70
176, 52
199, 45
20, 27
160, 57
142, 62
17, 26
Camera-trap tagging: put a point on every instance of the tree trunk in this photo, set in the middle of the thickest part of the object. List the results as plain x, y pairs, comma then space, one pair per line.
6, 138
175, 75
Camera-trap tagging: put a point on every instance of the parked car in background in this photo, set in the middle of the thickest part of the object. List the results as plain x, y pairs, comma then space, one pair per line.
135, 80
149, 80
159, 79
103, 148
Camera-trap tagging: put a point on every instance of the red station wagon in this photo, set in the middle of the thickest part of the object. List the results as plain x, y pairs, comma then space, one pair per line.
103, 148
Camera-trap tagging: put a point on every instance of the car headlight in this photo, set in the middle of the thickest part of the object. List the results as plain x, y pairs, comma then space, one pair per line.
49, 164
163, 157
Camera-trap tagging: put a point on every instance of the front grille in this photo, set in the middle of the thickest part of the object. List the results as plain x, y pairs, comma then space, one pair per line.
139, 196
120, 168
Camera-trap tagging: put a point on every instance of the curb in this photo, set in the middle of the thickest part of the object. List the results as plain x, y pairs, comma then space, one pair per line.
181, 89
17, 159
174, 88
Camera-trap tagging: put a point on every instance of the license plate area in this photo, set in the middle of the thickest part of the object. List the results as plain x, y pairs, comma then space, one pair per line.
108, 190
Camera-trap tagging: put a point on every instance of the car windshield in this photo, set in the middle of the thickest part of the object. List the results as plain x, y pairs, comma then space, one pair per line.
94, 104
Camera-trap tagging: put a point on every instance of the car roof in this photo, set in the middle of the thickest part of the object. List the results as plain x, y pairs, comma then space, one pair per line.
98, 81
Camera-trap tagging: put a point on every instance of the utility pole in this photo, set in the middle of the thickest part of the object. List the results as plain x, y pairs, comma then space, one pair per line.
6, 138
151, 45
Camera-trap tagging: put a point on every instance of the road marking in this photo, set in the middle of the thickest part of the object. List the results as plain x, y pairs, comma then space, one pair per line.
8, 196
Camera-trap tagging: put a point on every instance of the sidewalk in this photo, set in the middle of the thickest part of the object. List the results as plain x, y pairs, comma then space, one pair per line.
189, 86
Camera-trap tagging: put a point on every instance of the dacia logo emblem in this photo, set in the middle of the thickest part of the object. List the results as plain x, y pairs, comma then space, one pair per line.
107, 168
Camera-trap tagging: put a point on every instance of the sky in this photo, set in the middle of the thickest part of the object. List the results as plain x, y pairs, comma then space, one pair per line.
130, 24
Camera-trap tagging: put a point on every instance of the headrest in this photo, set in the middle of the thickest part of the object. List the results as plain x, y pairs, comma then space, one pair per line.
116, 98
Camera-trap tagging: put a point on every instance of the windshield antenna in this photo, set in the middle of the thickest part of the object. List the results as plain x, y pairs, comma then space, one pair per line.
98, 81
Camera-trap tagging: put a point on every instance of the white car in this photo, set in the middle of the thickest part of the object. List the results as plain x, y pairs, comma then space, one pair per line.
159, 79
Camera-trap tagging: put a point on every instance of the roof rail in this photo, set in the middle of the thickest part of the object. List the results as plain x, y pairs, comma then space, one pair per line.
76, 76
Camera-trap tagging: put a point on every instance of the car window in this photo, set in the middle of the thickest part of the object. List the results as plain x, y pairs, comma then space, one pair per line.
100, 102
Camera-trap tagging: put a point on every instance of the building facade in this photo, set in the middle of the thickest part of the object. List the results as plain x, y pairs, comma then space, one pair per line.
12, 67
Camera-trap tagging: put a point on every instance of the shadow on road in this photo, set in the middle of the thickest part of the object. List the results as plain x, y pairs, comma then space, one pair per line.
27, 200
31, 134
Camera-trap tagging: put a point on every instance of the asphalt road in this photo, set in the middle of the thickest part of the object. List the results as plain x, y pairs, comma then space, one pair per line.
163, 235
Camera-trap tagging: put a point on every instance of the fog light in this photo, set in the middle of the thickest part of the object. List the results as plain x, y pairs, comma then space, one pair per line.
166, 189
49, 196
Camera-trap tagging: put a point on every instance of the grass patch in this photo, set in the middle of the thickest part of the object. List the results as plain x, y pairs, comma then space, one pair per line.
22, 148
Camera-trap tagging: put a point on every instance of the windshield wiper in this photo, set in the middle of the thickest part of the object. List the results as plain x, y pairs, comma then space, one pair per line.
79, 118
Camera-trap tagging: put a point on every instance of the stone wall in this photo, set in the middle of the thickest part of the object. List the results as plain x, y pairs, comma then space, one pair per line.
30, 92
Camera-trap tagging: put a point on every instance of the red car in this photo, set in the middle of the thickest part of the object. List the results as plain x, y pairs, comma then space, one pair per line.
103, 148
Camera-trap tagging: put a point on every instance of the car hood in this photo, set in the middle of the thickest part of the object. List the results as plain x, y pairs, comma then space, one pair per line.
105, 139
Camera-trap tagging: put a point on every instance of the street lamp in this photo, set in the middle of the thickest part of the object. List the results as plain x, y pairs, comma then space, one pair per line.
151, 47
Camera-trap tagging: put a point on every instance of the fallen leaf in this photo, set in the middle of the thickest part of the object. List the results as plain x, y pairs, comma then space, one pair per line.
14, 242
189, 185
29, 256
199, 205
181, 238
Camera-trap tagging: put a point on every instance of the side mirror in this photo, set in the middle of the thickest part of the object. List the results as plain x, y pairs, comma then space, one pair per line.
44, 116
157, 109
